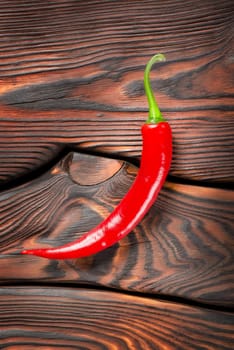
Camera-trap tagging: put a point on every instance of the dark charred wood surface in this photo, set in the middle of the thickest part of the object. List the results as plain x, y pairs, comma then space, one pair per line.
71, 82
71, 75
66, 318
183, 247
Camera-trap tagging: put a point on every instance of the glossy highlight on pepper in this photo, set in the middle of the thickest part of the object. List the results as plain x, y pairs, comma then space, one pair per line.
154, 167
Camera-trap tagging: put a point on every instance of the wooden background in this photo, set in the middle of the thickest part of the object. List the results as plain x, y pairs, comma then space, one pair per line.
71, 106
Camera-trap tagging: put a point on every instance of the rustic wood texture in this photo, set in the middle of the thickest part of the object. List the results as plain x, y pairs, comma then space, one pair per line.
83, 319
71, 76
71, 80
183, 247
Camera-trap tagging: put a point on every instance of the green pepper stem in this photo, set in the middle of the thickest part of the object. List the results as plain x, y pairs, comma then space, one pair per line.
155, 115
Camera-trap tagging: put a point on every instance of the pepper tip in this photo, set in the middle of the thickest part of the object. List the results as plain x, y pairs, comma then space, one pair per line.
25, 252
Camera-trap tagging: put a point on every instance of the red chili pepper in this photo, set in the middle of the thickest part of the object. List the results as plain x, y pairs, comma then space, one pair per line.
155, 164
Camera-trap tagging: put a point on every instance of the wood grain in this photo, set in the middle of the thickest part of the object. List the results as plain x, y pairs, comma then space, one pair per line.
71, 79
64, 318
71, 75
183, 247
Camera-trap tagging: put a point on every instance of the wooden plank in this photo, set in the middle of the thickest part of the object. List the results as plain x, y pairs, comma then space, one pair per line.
68, 318
183, 247
71, 76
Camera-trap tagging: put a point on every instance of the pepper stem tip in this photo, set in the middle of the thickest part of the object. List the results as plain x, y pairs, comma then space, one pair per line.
155, 114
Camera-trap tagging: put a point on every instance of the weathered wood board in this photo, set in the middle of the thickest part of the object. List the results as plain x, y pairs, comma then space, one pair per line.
71, 72
72, 104
183, 247
65, 318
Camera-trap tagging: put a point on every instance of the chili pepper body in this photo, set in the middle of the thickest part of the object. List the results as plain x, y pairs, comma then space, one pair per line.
155, 163
154, 167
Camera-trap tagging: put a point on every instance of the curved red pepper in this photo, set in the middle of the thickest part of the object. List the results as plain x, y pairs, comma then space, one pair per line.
155, 164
